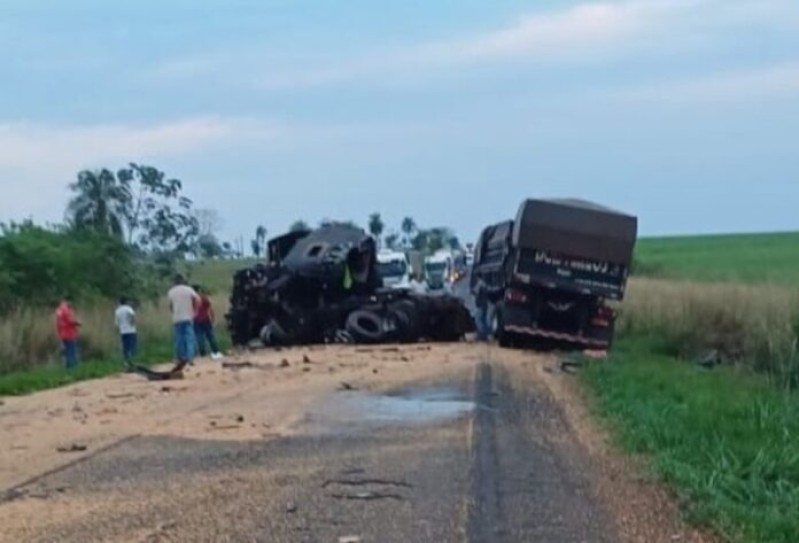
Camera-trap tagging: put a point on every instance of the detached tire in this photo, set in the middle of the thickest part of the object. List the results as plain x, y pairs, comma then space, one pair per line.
365, 326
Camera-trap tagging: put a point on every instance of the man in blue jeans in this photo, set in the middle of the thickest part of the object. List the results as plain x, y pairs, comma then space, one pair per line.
125, 317
183, 303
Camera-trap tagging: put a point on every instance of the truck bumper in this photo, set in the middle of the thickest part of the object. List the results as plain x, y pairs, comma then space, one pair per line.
518, 320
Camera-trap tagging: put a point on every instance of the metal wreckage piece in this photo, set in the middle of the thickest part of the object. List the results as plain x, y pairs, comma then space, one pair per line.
323, 286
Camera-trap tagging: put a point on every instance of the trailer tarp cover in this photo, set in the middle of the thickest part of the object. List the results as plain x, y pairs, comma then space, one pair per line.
576, 228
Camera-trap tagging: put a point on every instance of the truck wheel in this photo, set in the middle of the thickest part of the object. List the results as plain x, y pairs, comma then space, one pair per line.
365, 326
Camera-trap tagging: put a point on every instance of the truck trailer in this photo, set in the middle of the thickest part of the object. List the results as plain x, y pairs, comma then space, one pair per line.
554, 272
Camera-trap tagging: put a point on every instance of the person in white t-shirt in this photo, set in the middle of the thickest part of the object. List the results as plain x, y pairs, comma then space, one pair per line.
183, 303
125, 318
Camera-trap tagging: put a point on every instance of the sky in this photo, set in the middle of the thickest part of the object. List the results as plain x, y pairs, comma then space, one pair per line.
682, 112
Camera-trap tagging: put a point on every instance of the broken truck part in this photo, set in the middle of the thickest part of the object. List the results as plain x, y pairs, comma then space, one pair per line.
556, 266
323, 286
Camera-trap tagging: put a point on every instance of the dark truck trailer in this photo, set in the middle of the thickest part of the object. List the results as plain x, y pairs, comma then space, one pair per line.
553, 269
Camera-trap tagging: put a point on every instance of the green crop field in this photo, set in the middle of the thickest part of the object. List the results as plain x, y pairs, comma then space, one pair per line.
748, 258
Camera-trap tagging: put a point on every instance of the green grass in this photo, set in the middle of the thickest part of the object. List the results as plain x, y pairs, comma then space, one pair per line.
216, 275
726, 441
745, 258
55, 375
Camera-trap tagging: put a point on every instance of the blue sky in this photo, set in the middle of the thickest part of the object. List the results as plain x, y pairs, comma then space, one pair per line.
684, 112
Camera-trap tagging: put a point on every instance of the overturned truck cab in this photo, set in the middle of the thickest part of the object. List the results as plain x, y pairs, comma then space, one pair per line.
324, 286
557, 267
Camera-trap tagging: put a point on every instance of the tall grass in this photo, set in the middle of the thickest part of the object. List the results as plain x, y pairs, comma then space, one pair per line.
28, 338
757, 325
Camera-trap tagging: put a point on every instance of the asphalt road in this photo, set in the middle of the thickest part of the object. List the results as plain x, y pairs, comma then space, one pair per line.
478, 455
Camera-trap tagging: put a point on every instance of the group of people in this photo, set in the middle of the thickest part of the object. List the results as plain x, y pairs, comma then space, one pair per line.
193, 321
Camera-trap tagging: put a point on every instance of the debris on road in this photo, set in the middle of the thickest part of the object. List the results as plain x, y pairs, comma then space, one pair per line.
152, 375
306, 360
119, 396
284, 363
323, 286
349, 539
72, 448
347, 386
291, 508
238, 365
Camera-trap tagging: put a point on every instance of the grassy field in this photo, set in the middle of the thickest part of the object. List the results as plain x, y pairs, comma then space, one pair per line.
747, 258
30, 357
724, 439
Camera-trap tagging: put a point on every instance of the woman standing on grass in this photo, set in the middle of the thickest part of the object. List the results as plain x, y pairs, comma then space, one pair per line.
67, 327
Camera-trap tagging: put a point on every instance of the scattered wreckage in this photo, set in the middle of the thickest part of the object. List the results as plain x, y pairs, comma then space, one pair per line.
323, 286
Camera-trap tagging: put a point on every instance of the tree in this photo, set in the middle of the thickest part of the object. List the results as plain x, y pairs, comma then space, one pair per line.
159, 217
99, 204
259, 243
376, 226
299, 226
408, 228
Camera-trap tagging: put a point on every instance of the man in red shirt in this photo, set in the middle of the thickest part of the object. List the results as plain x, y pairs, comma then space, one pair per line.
67, 327
204, 325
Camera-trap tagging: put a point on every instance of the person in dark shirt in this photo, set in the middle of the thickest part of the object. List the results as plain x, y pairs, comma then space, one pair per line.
481, 298
204, 320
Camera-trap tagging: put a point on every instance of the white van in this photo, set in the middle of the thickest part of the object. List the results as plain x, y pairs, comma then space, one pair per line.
394, 268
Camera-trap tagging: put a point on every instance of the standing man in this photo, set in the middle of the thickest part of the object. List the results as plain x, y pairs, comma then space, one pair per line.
480, 292
67, 326
183, 303
125, 318
204, 325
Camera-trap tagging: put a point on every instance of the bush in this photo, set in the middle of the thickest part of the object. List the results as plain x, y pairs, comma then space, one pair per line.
38, 266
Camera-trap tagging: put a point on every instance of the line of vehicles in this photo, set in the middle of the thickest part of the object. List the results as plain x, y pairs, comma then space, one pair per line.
434, 272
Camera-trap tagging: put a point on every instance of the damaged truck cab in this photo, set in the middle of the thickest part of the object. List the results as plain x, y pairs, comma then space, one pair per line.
556, 267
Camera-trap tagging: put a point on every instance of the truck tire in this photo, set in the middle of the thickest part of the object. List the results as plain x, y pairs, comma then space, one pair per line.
365, 326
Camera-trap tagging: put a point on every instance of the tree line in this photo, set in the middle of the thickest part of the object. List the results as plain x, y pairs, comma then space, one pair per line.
123, 233
409, 236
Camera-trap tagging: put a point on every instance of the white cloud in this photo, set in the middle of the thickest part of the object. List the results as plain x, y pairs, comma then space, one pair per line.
779, 81
585, 32
39, 160
33, 145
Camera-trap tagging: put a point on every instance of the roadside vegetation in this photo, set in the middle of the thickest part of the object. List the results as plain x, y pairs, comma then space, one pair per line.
703, 382
724, 439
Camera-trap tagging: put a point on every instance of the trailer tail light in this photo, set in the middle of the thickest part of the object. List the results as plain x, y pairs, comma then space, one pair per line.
604, 316
515, 296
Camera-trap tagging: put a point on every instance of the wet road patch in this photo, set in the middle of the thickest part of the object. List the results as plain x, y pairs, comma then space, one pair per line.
351, 410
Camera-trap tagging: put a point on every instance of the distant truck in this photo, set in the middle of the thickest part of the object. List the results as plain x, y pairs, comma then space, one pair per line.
555, 267
437, 269
394, 268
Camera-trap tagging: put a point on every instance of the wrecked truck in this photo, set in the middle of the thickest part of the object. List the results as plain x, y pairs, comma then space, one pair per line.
554, 271
324, 286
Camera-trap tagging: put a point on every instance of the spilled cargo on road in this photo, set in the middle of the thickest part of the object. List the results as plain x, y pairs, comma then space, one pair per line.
323, 286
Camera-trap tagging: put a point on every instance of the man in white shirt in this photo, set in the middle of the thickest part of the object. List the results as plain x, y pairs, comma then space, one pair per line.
183, 303
125, 318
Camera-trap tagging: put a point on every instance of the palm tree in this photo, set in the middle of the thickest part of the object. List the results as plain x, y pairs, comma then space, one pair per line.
408, 228
100, 202
376, 226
